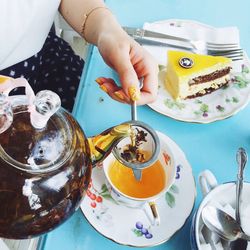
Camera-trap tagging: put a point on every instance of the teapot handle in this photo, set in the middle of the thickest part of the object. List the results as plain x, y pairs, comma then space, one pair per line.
6, 114
207, 181
12, 83
41, 107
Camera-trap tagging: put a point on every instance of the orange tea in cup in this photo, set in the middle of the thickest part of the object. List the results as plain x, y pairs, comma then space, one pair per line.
153, 180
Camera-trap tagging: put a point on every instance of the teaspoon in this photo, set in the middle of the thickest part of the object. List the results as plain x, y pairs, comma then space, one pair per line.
241, 158
222, 223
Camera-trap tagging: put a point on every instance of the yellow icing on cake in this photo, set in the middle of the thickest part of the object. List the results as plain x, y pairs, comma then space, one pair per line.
178, 78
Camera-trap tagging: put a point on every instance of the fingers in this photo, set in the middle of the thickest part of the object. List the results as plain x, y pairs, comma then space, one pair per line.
121, 63
109, 86
139, 64
148, 93
149, 90
129, 80
131, 65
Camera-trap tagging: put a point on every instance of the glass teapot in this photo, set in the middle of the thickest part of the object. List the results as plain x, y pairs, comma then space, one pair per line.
45, 160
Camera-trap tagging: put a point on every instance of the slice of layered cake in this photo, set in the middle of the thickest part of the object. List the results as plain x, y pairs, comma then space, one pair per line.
190, 75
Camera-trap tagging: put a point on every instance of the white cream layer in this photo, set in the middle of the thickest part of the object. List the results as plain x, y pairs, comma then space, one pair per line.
186, 90
200, 88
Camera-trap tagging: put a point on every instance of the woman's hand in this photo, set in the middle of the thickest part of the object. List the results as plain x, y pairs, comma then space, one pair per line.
131, 62
118, 50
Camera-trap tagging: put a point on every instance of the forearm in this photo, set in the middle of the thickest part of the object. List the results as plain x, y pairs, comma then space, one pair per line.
100, 20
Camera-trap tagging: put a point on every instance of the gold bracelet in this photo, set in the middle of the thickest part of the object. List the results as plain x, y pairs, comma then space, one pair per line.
85, 18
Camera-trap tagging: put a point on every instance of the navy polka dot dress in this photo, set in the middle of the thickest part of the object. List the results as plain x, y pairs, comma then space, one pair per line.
56, 67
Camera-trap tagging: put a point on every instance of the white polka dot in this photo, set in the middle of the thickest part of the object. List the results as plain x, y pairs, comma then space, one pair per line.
67, 78
25, 64
72, 88
60, 89
55, 39
33, 68
12, 73
46, 75
66, 67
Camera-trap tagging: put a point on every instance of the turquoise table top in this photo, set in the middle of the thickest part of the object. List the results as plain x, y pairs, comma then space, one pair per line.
206, 146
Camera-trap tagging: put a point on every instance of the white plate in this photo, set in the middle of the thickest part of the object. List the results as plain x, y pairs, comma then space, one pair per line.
218, 105
118, 223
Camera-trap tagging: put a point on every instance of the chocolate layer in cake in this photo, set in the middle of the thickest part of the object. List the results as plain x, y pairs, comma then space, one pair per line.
210, 77
208, 90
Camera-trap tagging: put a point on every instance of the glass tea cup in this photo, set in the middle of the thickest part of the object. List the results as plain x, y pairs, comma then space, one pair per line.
141, 194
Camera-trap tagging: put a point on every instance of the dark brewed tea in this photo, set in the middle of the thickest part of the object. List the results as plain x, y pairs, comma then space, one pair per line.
43, 174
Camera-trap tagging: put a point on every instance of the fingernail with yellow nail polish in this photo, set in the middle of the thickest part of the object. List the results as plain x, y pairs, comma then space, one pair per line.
104, 88
100, 80
119, 95
134, 93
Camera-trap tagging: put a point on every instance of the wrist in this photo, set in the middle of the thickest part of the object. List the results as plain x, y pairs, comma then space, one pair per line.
98, 23
86, 22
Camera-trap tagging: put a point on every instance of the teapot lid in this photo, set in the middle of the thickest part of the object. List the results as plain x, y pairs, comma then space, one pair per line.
35, 135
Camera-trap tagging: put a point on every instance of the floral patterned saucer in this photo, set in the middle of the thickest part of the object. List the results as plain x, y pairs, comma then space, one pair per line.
129, 226
218, 105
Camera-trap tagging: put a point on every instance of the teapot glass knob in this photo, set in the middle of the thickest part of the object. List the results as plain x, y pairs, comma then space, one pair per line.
46, 103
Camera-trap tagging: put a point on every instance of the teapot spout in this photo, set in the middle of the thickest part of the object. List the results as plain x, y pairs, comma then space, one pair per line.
102, 144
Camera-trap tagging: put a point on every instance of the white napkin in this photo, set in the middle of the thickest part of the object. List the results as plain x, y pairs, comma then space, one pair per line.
195, 30
190, 30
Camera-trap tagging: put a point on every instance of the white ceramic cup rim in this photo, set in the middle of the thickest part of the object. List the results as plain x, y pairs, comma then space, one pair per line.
168, 183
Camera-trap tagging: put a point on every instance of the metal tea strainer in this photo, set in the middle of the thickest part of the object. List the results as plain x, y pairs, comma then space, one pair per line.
147, 141
147, 144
